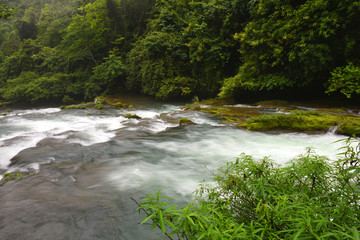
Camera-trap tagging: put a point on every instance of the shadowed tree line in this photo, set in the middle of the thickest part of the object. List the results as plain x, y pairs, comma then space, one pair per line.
77, 49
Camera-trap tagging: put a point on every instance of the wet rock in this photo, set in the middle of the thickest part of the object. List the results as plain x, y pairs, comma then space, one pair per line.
50, 205
169, 117
50, 149
185, 122
78, 106
12, 176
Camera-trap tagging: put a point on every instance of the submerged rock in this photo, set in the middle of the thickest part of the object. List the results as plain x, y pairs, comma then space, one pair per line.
51, 150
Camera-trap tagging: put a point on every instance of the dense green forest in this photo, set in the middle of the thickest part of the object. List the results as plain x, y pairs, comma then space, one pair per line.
73, 50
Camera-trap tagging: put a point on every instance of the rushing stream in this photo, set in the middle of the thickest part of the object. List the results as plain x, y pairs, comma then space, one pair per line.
89, 163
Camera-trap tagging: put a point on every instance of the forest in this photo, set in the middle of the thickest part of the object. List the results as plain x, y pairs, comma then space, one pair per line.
75, 50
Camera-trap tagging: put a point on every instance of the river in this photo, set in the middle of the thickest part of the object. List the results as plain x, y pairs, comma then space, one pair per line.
90, 163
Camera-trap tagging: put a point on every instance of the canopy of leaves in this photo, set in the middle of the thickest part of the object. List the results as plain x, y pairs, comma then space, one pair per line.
182, 48
295, 44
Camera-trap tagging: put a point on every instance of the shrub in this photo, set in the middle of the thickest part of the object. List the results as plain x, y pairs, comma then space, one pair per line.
308, 198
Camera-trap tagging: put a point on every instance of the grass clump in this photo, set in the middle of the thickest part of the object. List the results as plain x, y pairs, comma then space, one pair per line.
308, 198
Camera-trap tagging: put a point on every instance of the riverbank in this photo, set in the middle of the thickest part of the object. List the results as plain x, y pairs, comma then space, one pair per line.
315, 117
284, 116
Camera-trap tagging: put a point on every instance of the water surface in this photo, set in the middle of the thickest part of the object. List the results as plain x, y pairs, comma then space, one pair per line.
90, 163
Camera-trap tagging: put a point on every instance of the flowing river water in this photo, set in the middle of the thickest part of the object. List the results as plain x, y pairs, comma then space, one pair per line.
90, 163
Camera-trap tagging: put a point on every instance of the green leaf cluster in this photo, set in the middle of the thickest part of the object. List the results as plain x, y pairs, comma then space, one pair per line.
307, 198
5, 11
32, 88
72, 50
346, 80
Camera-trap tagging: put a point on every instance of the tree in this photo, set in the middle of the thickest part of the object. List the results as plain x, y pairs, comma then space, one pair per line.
294, 44
5, 12
346, 80
86, 36
188, 48
110, 74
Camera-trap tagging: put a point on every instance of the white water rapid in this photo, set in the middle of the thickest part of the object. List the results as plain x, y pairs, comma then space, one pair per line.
89, 163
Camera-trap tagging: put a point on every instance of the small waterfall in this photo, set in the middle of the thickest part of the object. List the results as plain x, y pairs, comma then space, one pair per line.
332, 130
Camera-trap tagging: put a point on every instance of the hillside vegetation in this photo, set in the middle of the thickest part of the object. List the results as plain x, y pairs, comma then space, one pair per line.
73, 50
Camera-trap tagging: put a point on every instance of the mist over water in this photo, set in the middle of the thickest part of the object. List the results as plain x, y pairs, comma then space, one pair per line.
89, 163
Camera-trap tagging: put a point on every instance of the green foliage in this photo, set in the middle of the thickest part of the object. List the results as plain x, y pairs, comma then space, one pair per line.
346, 80
5, 12
83, 39
110, 74
188, 49
288, 44
308, 198
179, 86
180, 48
155, 65
32, 88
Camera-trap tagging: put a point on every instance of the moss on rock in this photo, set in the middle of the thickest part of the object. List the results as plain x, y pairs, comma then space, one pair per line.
78, 106
185, 121
99, 106
13, 176
304, 121
132, 116
283, 115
